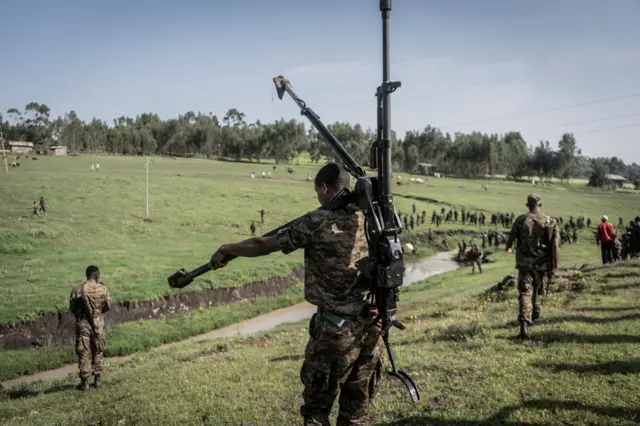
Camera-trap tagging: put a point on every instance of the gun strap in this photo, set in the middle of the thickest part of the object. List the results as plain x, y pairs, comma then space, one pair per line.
334, 318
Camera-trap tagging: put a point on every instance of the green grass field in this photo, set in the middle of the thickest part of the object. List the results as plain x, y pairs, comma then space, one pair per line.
580, 367
195, 205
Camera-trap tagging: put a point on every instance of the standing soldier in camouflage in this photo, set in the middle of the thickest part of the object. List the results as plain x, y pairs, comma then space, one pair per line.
88, 301
475, 255
344, 350
252, 228
537, 256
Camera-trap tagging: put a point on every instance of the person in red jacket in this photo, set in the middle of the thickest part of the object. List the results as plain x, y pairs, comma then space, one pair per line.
606, 238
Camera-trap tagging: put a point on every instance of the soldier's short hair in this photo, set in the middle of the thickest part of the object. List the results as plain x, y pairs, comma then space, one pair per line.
533, 200
333, 176
91, 271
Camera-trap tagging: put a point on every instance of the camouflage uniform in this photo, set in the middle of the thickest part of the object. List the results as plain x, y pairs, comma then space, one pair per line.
532, 260
90, 336
475, 255
344, 349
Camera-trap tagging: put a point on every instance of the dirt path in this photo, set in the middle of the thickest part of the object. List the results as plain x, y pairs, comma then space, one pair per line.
435, 265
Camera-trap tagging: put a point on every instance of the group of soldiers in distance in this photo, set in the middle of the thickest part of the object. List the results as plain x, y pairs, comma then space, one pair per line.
628, 245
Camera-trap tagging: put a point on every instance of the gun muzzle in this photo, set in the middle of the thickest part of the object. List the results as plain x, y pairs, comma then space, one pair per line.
180, 279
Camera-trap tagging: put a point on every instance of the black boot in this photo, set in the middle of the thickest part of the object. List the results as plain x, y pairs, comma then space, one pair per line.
97, 382
84, 384
524, 330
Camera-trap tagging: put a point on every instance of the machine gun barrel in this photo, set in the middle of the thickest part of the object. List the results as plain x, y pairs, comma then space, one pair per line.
283, 85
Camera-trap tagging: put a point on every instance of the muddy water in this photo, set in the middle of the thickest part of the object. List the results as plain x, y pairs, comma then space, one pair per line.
438, 264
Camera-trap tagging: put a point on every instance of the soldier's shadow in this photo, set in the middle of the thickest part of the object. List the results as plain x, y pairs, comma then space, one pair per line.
28, 393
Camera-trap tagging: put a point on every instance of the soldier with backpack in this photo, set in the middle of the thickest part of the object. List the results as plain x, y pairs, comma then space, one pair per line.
537, 256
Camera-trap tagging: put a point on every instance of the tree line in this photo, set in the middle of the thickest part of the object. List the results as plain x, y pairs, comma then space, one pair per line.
469, 155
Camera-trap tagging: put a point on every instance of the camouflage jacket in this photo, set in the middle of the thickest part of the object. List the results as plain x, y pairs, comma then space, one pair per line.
98, 301
333, 241
533, 249
475, 253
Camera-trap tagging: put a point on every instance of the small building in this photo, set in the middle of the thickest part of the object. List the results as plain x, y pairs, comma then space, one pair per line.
57, 150
615, 180
21, 147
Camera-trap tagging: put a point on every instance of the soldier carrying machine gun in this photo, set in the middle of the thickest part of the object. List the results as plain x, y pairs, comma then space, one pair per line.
380, 273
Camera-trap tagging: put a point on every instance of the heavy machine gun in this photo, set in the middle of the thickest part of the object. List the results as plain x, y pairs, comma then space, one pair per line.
385, 269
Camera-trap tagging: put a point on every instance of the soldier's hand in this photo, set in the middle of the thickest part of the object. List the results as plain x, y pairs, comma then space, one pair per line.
218, 260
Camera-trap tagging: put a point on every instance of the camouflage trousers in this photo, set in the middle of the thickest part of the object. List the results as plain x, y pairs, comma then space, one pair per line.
530, 289
478, 263
89, 348
345, 359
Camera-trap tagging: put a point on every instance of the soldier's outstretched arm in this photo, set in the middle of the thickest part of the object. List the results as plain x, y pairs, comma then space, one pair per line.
251, 247
300, 234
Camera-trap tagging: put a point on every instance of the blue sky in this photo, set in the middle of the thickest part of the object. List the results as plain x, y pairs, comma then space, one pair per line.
462, 63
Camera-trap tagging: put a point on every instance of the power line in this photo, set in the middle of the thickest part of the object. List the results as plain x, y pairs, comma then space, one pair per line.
610, 128
591, 121
598, 101
579, 133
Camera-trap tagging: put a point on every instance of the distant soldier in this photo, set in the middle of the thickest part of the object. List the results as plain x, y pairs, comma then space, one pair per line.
433, 216
475, 256
620, 222
537, 256
574, 237
438, 220
411, 222
88, 301
253, 228
498, 239
406, 222
261, 215
484, 240
430, 235
414, 208
588, 223
424, 216
43, 207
